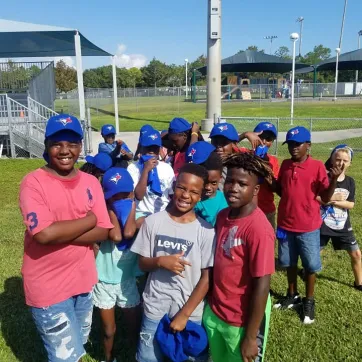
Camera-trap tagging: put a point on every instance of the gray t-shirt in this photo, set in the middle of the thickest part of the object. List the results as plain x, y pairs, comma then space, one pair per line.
166, 292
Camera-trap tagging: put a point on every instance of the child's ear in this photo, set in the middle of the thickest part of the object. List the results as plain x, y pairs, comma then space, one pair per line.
256, 190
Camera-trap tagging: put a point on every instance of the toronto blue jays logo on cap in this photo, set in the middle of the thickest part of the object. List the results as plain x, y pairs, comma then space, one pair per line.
153, 136
109, 127
116, 178
192, 152
294, 132
269, 125
65, 121
223, 128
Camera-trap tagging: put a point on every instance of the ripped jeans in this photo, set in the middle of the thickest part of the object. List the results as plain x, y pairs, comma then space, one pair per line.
148, 349
64, 327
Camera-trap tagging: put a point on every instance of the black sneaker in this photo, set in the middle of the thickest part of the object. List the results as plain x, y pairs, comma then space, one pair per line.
308, 311
357, 287
289, 301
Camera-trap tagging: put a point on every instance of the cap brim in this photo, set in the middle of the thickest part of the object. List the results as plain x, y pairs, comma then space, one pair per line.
89, 159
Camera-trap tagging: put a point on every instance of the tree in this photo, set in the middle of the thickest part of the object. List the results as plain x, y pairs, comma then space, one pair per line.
65, 77
318, 54
283, 52
155, 73
253, 48
135, 76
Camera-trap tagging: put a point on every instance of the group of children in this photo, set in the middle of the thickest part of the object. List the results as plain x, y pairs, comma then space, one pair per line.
197, 219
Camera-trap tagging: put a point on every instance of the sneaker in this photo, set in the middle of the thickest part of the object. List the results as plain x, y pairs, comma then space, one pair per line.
308, 311
289, 301
357, 287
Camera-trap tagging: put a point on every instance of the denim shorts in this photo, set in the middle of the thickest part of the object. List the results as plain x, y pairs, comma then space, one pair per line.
64, 327
125, 294
303, 245
148, 349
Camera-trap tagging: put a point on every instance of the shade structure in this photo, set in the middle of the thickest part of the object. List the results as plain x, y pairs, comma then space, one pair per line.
253, 61
346, 61
27, 40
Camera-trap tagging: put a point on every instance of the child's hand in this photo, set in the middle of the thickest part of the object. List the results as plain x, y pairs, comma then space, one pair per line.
336, 171
195, 127
178, 323
249, 349
253, 138
338, 197
150, 164
120, 142
174, 263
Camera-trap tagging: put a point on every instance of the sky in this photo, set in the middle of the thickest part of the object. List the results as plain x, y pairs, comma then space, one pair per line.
172, 30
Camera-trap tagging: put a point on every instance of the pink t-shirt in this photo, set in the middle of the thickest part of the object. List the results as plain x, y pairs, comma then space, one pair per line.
54, 273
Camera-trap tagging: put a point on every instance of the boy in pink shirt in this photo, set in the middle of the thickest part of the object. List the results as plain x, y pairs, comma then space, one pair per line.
65, 213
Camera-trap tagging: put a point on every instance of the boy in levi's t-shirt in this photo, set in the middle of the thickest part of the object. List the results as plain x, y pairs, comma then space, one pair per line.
65, 214
238, 314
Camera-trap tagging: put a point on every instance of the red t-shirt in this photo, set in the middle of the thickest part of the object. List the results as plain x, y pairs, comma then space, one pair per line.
266, 195
54, 273
301, 183
244, 250
178, 161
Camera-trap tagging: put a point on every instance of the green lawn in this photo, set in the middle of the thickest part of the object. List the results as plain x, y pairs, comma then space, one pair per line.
335, 336
158, 111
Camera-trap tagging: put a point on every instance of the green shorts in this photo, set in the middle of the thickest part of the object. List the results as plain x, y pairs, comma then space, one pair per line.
224, 339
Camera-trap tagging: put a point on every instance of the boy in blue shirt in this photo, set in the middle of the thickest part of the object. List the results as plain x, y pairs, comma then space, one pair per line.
118, 150
213, 200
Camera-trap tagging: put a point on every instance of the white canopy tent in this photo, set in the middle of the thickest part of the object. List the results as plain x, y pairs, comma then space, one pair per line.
25, 40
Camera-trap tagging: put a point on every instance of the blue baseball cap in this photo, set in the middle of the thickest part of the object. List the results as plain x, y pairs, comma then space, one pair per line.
226, 130
108, 129
116, 180
150, 138
192, 341
266, 126
146, 128
179, 125
199, 152
298, 134
102, 160
68, 125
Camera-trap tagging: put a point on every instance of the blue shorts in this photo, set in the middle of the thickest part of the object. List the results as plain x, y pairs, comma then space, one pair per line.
148, 349
303, 245
64, 327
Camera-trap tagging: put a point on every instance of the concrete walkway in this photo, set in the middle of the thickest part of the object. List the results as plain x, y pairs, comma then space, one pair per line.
131, 138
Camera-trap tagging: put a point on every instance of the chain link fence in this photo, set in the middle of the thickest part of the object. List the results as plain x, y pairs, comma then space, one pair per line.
326, 132
175, 100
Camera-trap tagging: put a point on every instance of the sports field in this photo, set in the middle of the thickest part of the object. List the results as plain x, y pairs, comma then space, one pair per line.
158, 111
336, 334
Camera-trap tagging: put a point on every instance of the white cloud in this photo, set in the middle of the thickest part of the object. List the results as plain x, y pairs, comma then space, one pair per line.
124, 60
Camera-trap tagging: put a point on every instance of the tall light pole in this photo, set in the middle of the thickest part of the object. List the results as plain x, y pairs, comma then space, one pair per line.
271, 38
338, 51
358, 47
342, 26
213, 64
187, 91
294, 38
300, 20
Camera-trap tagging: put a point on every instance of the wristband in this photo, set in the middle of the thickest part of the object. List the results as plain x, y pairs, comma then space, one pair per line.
195, 133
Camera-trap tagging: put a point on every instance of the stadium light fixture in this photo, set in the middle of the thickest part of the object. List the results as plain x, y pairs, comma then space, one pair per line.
271, 38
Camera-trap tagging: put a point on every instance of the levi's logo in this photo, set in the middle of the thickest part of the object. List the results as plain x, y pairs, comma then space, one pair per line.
173, 246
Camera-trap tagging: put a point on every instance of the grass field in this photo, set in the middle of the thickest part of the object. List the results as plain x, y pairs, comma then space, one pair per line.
335, 336
158, 111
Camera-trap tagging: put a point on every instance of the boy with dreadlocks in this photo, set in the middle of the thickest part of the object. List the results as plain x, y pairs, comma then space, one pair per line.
237, 317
